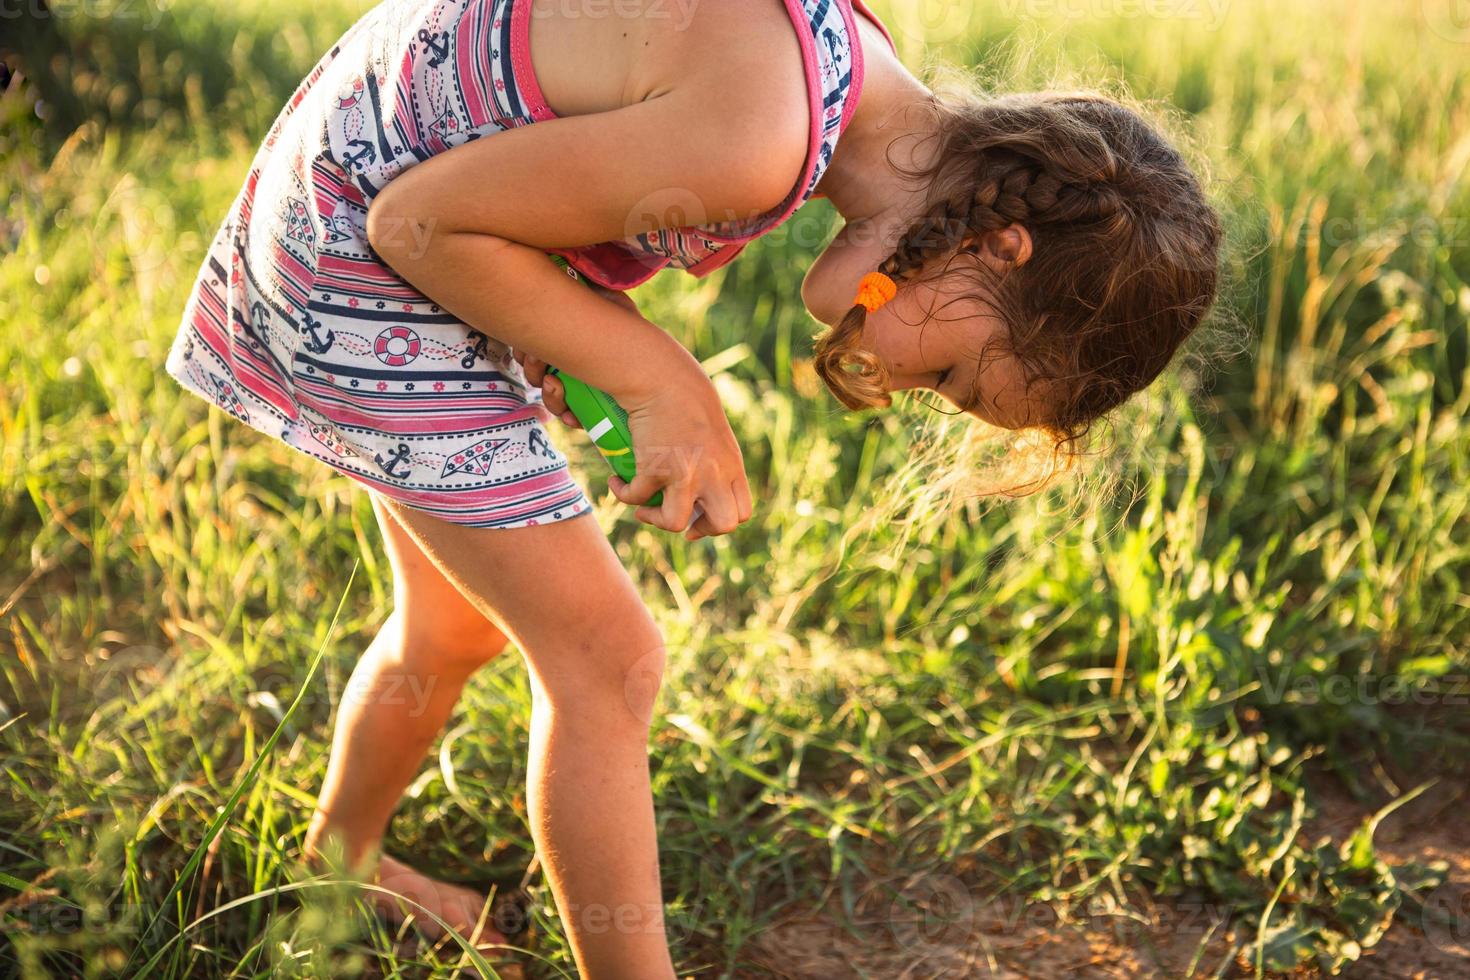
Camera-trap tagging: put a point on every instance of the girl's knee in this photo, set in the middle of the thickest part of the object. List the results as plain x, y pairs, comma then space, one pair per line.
642, 681
613, 679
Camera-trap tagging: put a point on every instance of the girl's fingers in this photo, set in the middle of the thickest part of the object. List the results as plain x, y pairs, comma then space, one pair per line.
720, 515
554, 395
644, 485
740, 489
535, 370
692, 532
674, 513
717, 511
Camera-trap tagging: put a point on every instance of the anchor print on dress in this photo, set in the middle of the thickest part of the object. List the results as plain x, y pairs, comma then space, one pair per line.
314, 340
474, 459
536, 443
395, 458
479, 349
360, 153
837, 47
359, 156
437, 44
260, 319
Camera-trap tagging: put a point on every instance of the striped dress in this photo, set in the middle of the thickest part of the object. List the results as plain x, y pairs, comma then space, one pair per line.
296, 328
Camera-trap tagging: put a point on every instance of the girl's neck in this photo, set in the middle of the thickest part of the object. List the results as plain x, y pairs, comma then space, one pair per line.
890, 132
889, 128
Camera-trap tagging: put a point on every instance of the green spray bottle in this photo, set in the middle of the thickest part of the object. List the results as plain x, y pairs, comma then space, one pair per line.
601, 416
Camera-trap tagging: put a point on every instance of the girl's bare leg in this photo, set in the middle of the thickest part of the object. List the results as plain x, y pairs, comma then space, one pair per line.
595, 658
397, 700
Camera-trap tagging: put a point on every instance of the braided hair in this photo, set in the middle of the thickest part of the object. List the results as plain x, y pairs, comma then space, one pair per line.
1124, 250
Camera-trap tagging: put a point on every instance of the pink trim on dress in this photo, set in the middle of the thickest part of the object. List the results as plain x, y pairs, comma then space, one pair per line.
721, 258
810, 67
535, 99
855, 51
520, 61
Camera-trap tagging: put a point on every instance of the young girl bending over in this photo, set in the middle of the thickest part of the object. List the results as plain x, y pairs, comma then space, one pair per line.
389, 249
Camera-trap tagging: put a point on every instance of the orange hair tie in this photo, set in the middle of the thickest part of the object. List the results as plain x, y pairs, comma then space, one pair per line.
874, 290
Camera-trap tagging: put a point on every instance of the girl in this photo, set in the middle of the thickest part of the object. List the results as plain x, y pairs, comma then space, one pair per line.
389, 249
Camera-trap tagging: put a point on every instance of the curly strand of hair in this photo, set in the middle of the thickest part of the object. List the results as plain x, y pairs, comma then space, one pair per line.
853, 374
1124, 264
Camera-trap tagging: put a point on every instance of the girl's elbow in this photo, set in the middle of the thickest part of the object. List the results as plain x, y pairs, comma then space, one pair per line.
405, 228
398, 227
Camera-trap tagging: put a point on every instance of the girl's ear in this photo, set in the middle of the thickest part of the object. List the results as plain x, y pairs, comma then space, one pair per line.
1003, 248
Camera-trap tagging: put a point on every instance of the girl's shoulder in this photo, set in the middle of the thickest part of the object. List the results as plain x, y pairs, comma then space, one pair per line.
737, 64
747, 49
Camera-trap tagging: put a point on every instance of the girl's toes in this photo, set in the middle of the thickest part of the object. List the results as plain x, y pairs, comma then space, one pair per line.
426, 898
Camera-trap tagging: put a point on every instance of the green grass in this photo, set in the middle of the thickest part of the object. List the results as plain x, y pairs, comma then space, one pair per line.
1035, 706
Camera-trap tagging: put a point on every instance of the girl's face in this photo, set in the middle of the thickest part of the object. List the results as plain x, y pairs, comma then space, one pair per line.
935, 334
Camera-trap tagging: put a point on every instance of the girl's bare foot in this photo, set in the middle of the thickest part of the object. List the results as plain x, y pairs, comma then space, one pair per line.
462, 909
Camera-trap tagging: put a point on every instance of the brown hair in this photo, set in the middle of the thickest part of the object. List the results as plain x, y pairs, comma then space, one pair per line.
1125, 250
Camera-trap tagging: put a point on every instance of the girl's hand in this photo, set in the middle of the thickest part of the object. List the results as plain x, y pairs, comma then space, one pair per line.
553, 392
683, 445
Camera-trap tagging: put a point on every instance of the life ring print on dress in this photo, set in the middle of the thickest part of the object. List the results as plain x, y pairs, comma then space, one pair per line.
350, 94
397, 346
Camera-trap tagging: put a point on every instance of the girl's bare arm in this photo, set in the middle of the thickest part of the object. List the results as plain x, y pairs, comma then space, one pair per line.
469, 227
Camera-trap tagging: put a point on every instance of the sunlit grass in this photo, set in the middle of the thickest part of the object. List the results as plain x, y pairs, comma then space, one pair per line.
1039, 703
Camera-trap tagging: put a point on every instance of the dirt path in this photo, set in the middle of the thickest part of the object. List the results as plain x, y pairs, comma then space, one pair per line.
959, 939
1435, 827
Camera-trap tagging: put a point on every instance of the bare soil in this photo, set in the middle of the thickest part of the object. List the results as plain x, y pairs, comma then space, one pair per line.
955, 940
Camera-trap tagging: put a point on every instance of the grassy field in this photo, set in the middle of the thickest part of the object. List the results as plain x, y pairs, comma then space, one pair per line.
1025, 719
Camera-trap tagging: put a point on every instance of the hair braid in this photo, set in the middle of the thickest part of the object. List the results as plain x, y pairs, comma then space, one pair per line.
1124, 253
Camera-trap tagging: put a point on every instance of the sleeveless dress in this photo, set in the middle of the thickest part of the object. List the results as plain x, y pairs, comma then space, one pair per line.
295, 327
